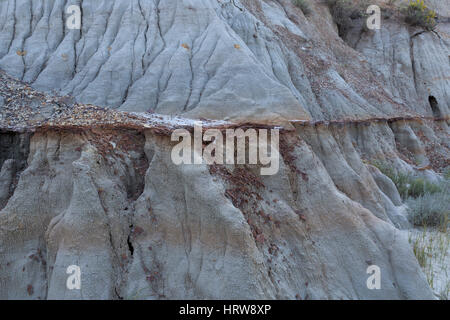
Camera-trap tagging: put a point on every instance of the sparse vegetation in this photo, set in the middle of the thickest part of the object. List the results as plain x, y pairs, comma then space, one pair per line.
428, 202
418, 14
408, 185
303, 5
415, 13
432, 252
345, 11
430, 209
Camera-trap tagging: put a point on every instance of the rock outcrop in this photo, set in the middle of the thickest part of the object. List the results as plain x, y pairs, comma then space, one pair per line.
252, 60
96, 187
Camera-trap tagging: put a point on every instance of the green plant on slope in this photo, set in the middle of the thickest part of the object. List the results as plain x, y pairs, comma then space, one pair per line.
431, 250
418, 14
408, 185
303, 5
431, 209
428, 202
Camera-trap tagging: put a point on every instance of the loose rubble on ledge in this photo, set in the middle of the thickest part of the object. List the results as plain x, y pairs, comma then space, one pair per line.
24, 109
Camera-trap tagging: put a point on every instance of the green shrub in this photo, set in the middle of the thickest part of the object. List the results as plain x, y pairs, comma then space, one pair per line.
408, 186
419, 187
430, 209
303, 5
428, 202
418, 14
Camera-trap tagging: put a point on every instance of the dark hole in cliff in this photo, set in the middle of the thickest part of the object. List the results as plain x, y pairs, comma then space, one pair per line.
130, 245
434, 106
14, 149
135, 141
14, 146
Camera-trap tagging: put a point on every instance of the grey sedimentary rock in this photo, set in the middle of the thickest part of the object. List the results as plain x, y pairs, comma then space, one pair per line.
6, 179
252, 60
110, 200
184, 238
413, 64
386, 185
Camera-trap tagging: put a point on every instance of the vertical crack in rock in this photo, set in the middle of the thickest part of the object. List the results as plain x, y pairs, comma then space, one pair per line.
129, 242
413, 61
14, 149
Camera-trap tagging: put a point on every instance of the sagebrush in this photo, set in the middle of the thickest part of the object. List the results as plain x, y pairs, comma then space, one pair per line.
430, 209
418, 14
407, 184
428, 202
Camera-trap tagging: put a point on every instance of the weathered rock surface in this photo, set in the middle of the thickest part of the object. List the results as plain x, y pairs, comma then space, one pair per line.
177, 233
85, 186
412, 64
252, 60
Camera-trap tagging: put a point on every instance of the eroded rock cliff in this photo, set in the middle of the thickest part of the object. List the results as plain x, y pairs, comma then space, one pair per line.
93, 187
